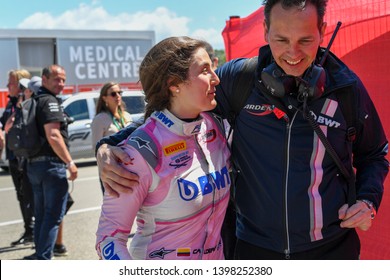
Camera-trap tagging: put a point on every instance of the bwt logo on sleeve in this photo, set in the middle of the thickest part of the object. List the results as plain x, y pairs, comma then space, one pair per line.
206, 184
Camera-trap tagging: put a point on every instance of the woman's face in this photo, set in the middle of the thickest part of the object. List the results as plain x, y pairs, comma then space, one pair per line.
27, 93
113, 97
197, 93
13, 86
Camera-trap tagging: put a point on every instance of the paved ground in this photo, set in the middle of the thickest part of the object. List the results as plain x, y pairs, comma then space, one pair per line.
79, 237
79, 224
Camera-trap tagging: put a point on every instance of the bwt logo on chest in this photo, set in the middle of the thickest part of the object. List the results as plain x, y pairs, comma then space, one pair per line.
206, 184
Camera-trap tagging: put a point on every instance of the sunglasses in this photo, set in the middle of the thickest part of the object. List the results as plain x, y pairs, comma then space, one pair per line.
114, 93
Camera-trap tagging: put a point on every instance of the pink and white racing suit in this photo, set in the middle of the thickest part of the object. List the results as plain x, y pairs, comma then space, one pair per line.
181, 201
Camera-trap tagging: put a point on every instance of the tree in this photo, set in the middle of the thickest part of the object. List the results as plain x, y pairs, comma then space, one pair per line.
221, 56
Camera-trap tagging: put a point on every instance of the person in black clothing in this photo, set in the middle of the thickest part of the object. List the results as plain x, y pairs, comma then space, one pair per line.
2, 140
47, 169
17, 166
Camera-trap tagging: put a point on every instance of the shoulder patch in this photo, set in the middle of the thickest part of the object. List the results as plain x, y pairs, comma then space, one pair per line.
146, 146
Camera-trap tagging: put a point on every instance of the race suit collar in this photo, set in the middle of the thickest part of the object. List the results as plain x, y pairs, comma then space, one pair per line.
177, 125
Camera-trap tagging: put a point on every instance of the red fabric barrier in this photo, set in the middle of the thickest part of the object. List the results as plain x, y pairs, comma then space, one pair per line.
363, 43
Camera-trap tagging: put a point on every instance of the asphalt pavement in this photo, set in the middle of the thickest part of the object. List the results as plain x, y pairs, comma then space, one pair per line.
80, 223
79, 238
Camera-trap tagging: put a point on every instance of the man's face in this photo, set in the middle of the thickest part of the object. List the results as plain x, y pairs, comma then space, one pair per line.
13, 86
294, 37
56, 82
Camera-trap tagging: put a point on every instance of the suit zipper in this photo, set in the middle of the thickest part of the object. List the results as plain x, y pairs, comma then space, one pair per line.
212, 209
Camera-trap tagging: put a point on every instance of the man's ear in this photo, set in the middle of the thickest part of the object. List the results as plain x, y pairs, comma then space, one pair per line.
322, 31
265, 32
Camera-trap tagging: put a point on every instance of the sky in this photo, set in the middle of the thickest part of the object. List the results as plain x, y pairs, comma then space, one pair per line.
203, 19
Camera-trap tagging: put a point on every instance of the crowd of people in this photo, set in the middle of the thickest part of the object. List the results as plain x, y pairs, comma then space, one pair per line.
17, 166
183, 182
41, 181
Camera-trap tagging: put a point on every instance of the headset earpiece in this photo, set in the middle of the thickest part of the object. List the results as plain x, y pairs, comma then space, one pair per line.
276, 81
279, 84
314, 82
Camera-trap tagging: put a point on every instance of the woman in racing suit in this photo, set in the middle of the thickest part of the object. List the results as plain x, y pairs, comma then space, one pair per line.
181, 156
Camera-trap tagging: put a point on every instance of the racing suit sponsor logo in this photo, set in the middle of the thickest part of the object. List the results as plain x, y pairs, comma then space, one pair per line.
141, 143
208, 250
183, 252
209, 136
324, 120
259, 110
174, 148
180, 160
196, 129
206, 184
160, 253
164, 119
108, 252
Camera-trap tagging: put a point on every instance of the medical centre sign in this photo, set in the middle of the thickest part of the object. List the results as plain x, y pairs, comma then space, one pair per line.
101, 60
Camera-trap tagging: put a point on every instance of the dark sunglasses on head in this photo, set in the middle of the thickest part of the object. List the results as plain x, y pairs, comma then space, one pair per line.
114, 93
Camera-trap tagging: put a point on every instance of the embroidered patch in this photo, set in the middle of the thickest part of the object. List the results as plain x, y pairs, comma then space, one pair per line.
180, 160
160, 253
141, 143
196, 129
183, 252
177, 147
209, 136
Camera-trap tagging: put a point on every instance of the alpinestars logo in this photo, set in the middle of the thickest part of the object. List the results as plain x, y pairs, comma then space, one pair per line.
259, 110
141, 143
160, 253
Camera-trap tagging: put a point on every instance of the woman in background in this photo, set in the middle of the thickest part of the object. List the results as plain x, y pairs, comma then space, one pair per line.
111, 115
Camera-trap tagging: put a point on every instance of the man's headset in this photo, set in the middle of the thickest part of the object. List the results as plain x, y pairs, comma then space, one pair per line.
278, 83
310, 86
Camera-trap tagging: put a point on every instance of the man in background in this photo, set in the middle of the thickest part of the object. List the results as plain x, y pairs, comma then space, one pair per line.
213, 57
17, 165
47, 169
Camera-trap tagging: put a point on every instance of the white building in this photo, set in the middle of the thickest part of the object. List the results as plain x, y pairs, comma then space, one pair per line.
90, 57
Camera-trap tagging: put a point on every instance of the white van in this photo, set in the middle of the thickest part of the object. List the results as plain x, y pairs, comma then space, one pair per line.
81, 108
